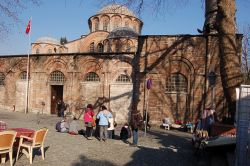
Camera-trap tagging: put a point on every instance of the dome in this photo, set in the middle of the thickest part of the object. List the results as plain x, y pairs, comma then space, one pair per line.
47, 40
114, 8
123, 32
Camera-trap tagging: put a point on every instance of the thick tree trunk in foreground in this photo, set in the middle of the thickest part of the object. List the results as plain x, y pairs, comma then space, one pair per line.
230, 68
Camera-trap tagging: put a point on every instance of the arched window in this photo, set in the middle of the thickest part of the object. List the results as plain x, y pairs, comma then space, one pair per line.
57, 76
100, 47
2, 77
176, 83
128, 47
122, 78
116, 22
92, 77
23, 75
126, 24
118, 47
96, 25
105, 25
49, 51
37, 51
91, 47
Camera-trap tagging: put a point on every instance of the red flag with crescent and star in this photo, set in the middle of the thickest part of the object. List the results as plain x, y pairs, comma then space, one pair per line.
27, 31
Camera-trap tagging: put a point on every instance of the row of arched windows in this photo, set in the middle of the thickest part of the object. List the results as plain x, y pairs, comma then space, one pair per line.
58, 76
175, 83
119, 47
49, 51
116, 22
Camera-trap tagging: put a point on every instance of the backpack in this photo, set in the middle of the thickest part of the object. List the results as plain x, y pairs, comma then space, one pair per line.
125, 133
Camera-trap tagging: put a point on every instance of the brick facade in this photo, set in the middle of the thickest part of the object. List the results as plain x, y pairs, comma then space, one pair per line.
115, 71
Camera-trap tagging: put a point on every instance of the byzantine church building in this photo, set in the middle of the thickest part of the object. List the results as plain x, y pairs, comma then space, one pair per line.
111, 66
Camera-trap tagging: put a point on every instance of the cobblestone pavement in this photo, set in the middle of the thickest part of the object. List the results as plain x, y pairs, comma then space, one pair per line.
158, 147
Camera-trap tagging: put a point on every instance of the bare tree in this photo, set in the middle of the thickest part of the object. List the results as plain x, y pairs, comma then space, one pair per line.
224, 24
10, 11
245, 55
158, 7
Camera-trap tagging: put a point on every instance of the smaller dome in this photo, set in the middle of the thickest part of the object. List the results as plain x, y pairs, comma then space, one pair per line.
47, 40
115, 8
123, 32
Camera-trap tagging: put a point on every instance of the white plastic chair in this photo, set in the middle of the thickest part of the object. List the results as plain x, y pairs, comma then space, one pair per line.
166, 123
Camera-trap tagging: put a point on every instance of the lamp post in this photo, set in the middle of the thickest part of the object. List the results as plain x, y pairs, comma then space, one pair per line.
212, 81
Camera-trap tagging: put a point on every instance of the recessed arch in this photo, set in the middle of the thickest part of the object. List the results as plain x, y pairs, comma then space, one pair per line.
23, 75
100, 47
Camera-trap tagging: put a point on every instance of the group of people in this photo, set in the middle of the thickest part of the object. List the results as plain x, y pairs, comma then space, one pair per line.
203, 125
104, 123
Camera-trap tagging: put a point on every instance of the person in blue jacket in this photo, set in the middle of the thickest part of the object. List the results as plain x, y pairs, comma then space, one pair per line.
103, 117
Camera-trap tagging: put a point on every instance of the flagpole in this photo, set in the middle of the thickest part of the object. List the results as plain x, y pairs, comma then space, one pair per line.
27, 76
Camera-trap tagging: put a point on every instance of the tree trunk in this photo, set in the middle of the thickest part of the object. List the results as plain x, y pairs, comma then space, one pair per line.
230, 68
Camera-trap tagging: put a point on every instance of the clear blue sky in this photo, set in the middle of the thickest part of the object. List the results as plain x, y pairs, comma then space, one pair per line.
65, 18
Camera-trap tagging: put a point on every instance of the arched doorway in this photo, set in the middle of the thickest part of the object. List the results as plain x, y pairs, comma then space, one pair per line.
56, 81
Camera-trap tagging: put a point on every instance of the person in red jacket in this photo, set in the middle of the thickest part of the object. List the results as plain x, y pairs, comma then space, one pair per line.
88, 120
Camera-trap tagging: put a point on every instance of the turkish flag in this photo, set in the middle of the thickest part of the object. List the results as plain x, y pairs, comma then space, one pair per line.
27, 31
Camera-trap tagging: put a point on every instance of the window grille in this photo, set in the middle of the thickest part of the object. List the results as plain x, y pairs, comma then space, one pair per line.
92, 77
23, 75
2, 77
100, 47
57, 76
91, 47
122, 78
176, 83
37, 51
105, 25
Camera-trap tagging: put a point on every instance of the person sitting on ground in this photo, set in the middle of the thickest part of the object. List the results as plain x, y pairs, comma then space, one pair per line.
125, 132
64, 126
73, 127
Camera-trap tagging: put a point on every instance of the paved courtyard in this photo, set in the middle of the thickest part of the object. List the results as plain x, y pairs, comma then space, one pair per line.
159, 147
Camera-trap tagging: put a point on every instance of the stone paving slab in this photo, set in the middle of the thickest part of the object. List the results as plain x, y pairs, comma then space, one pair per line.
158, 147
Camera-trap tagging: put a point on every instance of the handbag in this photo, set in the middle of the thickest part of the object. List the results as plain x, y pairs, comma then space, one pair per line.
93, 123
108, 122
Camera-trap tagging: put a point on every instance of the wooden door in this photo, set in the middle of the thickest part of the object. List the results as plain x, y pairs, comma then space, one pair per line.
56, 95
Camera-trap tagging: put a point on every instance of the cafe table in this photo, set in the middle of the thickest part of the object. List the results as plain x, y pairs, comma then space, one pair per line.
23, 131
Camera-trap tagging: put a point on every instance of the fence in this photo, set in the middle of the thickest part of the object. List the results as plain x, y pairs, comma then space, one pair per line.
243, 126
